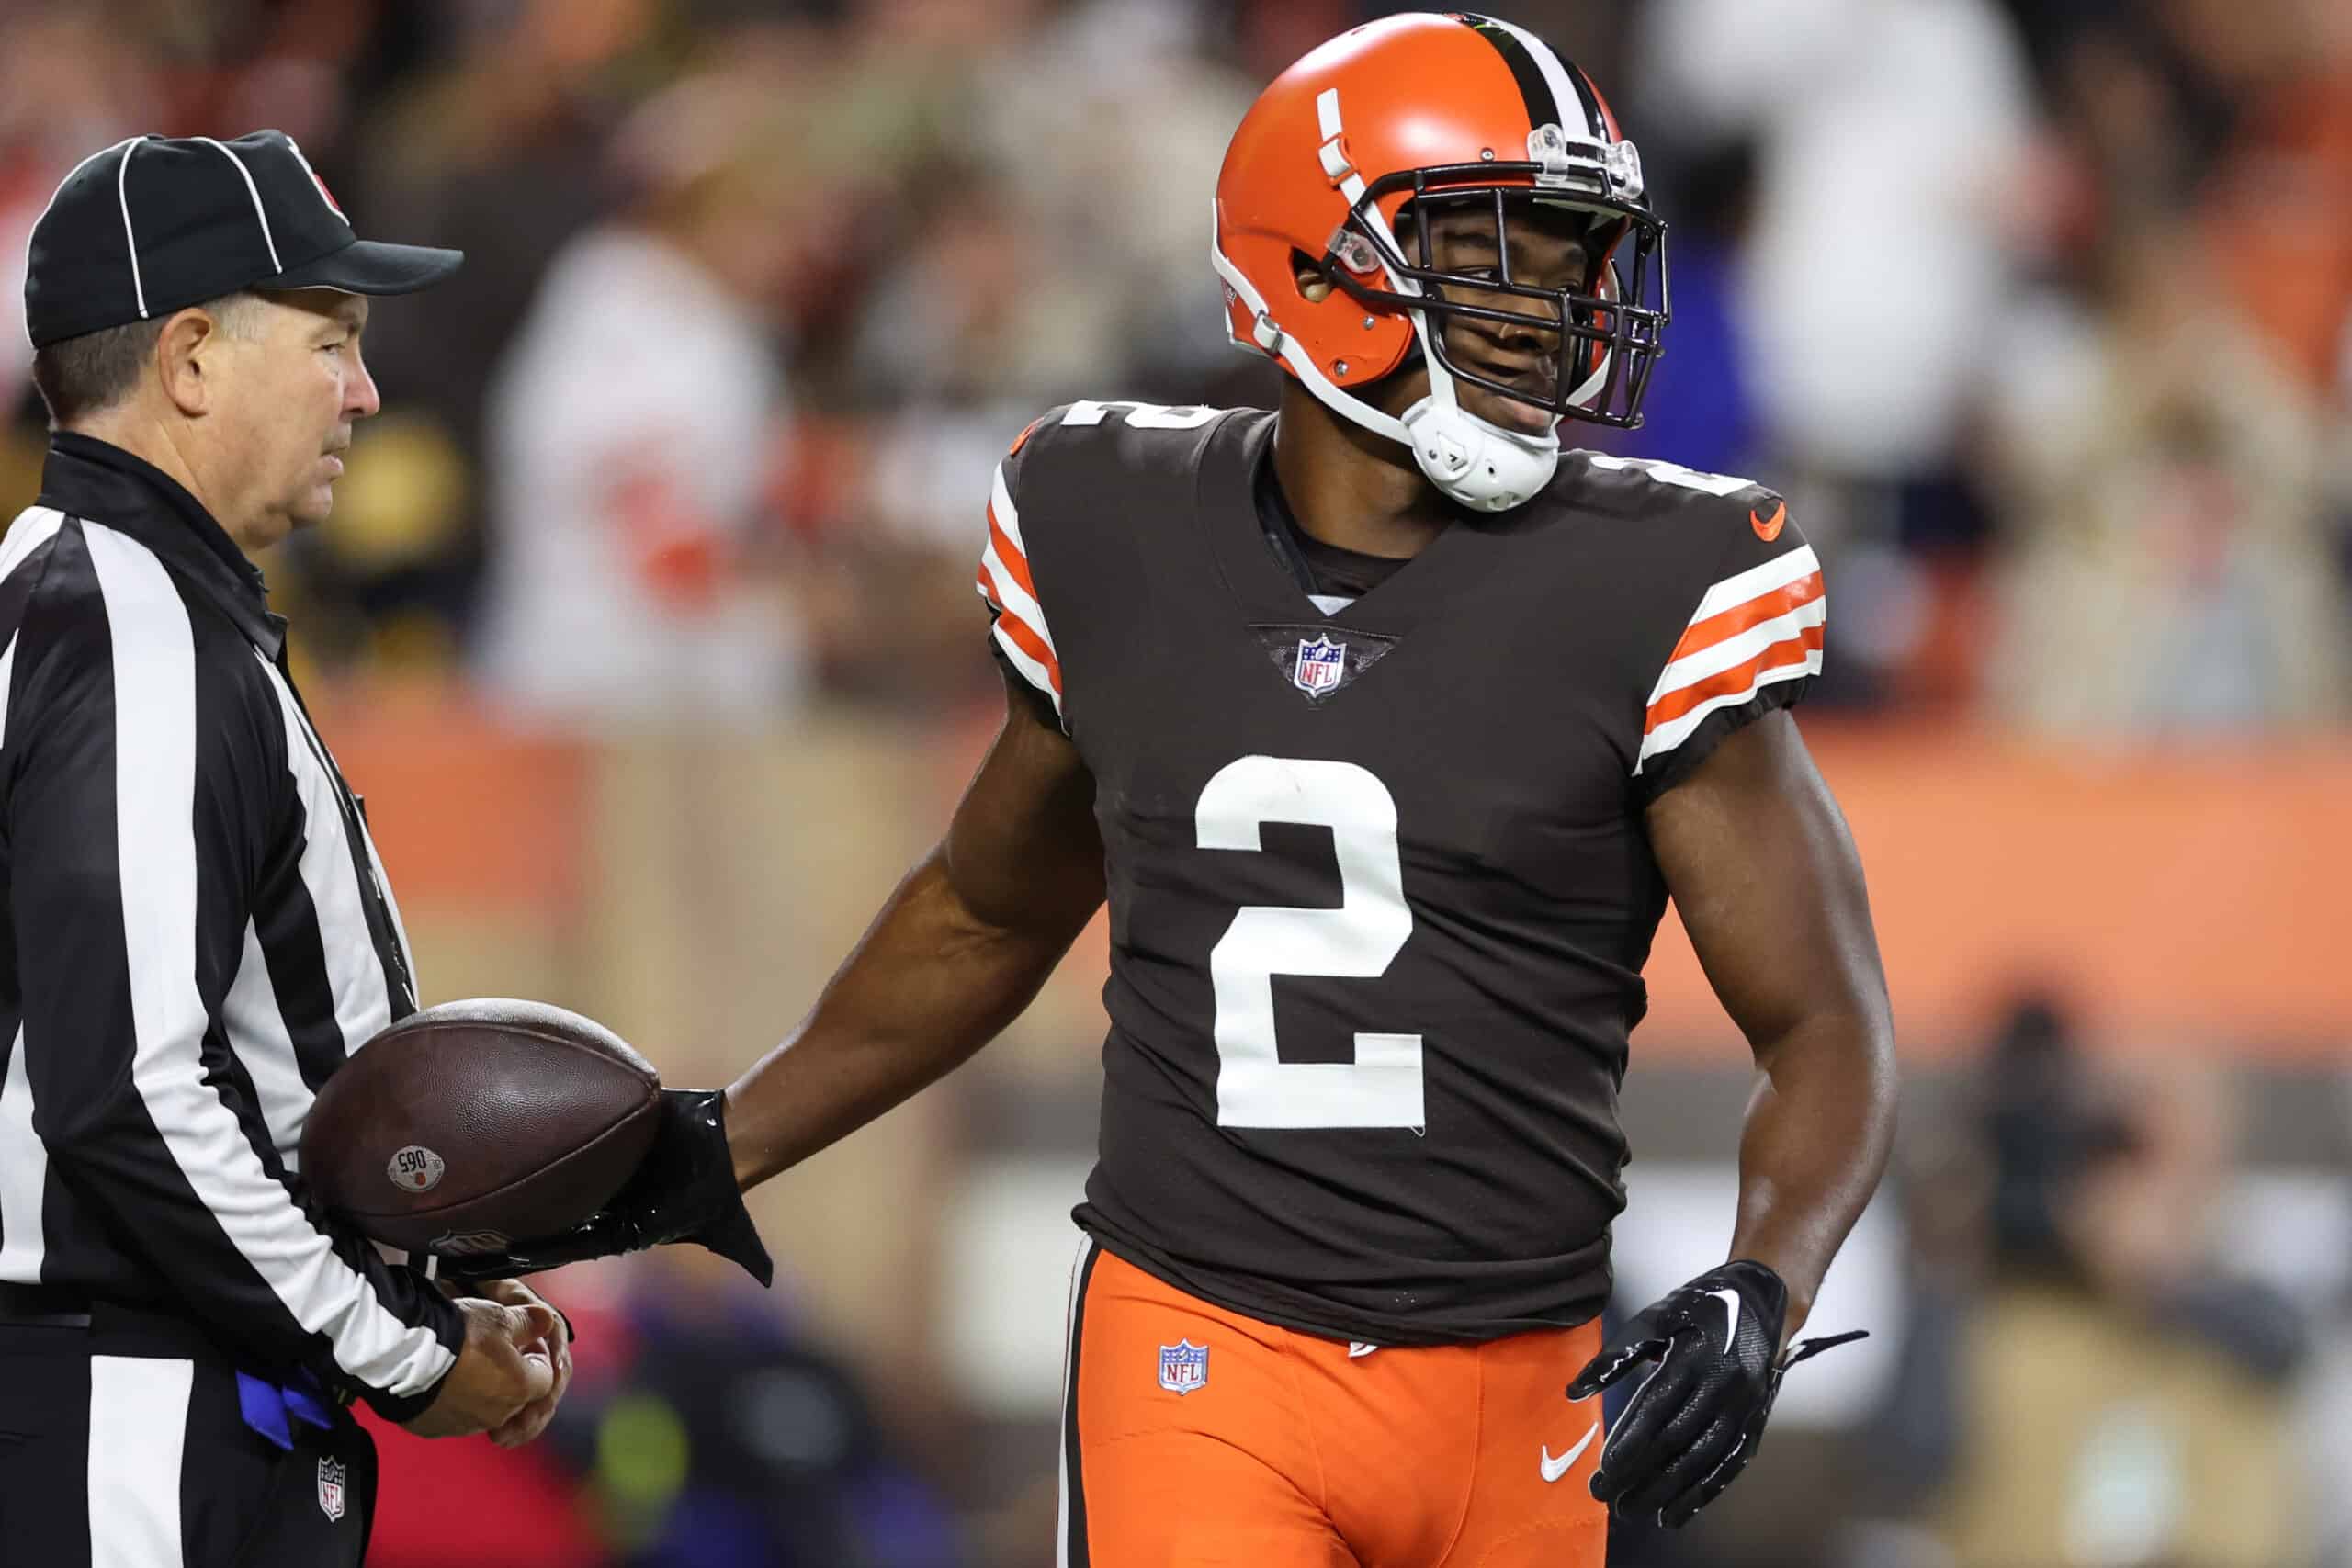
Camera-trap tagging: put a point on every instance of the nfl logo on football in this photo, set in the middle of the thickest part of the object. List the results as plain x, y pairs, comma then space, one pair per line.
1183, 1367
331, 1488
1320, 664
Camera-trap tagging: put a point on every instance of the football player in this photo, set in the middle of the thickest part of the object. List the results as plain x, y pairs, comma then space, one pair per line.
1386, 726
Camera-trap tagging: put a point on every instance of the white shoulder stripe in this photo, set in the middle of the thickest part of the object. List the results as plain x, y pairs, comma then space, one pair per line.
1031, 670
1007, 517
1735, 651
1014, 599
1674, 732
1739, 588
34, 527
155, 683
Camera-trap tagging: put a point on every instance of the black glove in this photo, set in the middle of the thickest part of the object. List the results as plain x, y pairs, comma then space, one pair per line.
1694, 1423
683, 1191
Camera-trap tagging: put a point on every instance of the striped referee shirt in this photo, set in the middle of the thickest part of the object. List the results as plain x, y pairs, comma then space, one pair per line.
195, 931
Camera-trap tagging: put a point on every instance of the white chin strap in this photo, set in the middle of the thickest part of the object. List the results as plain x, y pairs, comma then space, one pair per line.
1478, 464
1481, 465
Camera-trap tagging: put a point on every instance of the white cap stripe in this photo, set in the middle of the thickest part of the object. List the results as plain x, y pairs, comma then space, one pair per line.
252, 190
122, 195
52, 202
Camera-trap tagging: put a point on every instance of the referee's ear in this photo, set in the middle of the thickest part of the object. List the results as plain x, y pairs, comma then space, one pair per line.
192, 360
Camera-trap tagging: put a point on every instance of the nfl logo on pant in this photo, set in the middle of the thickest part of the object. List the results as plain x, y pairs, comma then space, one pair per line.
1183, 1367
331, 1488
1321, 662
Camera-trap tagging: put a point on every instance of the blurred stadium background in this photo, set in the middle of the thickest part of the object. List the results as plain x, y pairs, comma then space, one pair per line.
645, 621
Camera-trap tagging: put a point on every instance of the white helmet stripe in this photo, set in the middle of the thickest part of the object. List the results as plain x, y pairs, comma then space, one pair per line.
1566, 90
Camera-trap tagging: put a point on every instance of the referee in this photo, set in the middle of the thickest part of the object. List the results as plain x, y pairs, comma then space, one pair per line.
194, 930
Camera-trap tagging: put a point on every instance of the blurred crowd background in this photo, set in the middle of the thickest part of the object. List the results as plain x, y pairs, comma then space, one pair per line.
645, 620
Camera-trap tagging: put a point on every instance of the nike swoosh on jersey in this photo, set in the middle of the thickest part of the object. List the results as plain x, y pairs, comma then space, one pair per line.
1556, 1468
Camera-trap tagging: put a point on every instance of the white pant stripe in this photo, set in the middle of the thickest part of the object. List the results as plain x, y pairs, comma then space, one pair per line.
137, 1428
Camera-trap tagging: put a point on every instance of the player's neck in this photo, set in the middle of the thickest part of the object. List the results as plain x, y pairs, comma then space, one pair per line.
1349, 488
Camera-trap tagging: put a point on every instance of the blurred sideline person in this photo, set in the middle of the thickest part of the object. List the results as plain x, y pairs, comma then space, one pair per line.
197, 929
629, 430
2116, 1396
1386, 727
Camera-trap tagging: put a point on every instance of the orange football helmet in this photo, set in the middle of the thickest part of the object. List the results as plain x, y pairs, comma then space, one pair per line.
1422, 113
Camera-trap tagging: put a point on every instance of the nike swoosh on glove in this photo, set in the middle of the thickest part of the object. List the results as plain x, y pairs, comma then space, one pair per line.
1695, 1421
683, 1191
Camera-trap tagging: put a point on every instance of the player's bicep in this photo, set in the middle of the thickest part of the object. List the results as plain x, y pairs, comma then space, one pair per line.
1767, 881
1024, 852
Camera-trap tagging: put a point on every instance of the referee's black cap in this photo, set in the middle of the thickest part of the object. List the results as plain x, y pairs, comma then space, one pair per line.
155, 224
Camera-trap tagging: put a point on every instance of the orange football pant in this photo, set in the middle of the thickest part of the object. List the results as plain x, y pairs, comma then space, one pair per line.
1197, 1438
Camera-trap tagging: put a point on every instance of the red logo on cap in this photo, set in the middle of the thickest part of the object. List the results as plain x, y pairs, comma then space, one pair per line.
328, 194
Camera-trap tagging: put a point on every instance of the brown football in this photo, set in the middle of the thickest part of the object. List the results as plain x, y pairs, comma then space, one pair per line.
473, 1124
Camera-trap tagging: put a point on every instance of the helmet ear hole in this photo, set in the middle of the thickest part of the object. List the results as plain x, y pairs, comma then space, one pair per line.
1310, 277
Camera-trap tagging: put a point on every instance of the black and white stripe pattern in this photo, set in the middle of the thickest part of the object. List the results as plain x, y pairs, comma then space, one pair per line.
199, 938
1555, 92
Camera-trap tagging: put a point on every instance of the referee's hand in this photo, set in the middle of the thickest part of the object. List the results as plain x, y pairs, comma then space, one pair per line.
504, 1366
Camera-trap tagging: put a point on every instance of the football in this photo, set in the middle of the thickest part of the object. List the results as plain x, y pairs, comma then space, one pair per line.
470, 1124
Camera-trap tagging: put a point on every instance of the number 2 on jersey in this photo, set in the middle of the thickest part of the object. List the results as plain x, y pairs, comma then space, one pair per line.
1255, 1087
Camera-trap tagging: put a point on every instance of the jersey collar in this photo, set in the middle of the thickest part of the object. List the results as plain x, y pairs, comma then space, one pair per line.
85, 476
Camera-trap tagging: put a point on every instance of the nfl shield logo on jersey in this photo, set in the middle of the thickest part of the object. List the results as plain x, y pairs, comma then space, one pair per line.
1183, 1367
1320, 664
331, 1487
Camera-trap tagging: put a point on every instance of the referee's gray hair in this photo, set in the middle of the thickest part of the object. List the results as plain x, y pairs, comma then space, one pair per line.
86, 374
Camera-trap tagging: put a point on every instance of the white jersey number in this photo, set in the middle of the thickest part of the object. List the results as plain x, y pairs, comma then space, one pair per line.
1675, 474
1139, 416
1382, 1088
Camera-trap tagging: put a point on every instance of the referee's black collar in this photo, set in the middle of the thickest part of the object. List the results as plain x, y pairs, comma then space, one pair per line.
85, 476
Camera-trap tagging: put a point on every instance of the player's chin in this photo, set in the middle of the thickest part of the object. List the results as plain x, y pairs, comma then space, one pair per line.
1517, 415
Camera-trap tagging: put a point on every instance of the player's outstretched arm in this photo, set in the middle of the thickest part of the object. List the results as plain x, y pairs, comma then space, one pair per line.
953, 958
1765, 875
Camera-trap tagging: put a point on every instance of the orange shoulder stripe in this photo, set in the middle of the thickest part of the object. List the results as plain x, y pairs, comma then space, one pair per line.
1728, 623
1030, 643
1738, 678
1015, 561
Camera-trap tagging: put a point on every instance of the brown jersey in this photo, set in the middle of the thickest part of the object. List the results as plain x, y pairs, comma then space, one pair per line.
1379, 890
